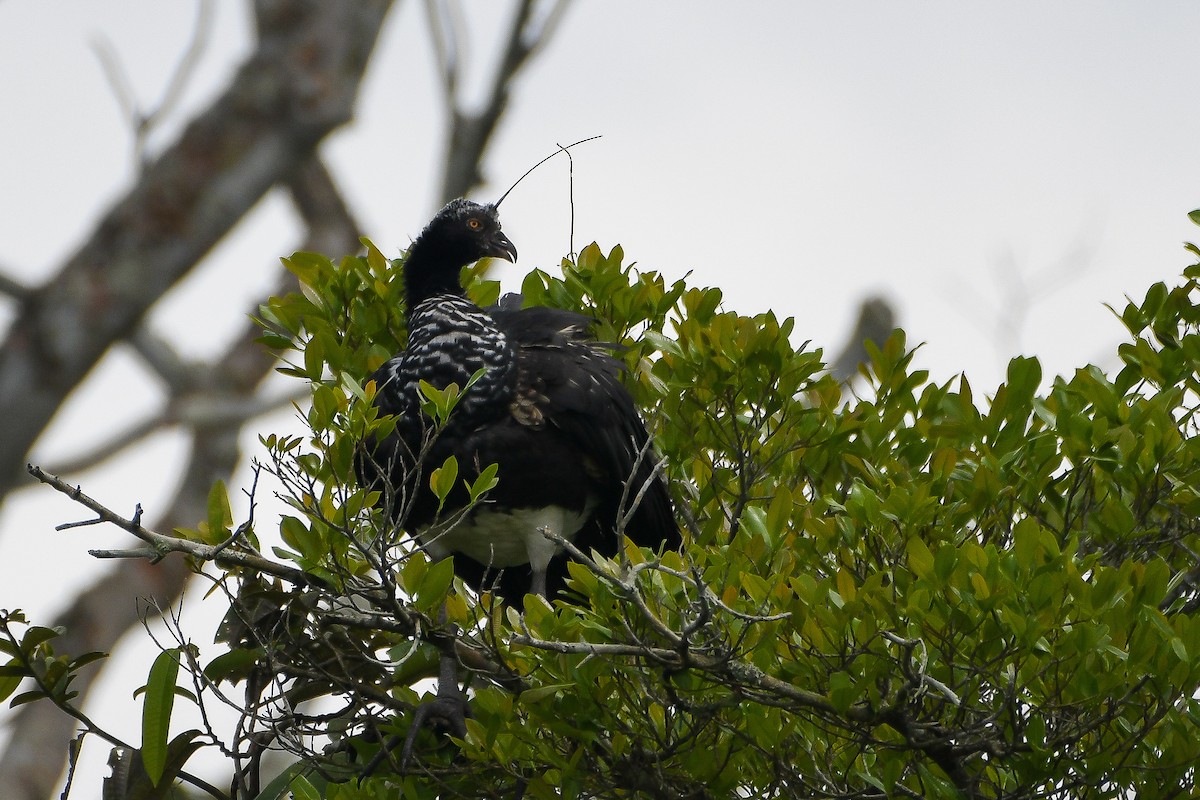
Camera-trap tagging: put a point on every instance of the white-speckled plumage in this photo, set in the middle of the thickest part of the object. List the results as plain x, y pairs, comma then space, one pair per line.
506, 538
451, 339
548, 409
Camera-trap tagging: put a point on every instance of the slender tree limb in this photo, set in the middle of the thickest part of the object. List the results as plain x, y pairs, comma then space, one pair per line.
102, 613
158, 354
445, 48
162, 543
191, 411
12, 288
745, 674
470, 132
186, 66
141, 123
299, 84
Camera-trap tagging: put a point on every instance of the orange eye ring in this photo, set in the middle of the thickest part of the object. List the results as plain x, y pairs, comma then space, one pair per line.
474, 224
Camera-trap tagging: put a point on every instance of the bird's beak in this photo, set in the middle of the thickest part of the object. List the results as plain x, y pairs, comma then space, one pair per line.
501, 247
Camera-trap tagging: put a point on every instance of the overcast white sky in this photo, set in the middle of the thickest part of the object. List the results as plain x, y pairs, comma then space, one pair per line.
800, 155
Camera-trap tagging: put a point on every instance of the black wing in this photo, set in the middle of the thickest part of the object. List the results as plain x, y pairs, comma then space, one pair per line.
571, 382
568, 436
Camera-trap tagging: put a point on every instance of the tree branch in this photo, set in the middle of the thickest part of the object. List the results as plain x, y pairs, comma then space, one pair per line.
164, 544
299, 85
105, 611
12, 288
196, 410
471, 132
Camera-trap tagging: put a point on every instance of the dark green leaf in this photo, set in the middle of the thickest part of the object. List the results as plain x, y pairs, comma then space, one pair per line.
156, 712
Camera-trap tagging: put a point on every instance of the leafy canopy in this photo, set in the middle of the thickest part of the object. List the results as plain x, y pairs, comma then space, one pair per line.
913, 589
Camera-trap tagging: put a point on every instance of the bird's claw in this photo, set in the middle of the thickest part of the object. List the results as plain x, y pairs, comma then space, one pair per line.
443, 714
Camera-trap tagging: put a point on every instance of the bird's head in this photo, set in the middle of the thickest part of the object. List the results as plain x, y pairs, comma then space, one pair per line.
460, 234
464, 232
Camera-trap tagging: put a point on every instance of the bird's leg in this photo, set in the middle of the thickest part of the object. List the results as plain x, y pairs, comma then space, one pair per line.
537, 584
541, 549
447, 711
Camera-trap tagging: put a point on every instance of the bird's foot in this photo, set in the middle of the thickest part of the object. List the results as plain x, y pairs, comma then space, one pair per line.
444, 714
447, 713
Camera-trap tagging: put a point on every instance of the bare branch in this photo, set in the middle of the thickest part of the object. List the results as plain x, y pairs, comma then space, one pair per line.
471, 132
11, 287
118, 81
102, 613
163, 544
299, 85
743, 673
198, 411
160, 356
186, 66
142, 124
445, 48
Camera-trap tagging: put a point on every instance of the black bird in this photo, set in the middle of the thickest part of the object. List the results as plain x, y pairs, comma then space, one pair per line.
549, 409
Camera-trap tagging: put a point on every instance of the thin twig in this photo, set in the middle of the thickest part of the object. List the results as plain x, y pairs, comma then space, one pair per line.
142, 124
11, 287
470, 131
570, 196
187, 63
198, 412
626, 588
163, 544
445, 49
747, 674
161, 357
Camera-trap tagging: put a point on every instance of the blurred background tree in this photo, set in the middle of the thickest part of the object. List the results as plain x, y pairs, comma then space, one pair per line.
262, 133
202, 170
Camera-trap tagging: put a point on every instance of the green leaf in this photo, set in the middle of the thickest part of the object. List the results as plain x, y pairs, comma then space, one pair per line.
779, 512
920, 558
841, 691
302, 789
37, 635
442, 480
8, 685
413, 572
284, 781
531, 696
156, 712
376, 260
434, 584
233, 665
26, 697
486, 481
1024, 376
87, 658
220, 518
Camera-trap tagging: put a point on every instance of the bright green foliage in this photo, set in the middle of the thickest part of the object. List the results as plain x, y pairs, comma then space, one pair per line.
911, 590
30, 655
918, 591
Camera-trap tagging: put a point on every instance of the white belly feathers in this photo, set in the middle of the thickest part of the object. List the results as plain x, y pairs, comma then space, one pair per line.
500, 539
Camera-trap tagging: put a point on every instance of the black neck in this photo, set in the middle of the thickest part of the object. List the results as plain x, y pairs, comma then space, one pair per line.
431, 269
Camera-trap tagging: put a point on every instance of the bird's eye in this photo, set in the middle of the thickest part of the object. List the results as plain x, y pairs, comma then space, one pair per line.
474, 224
